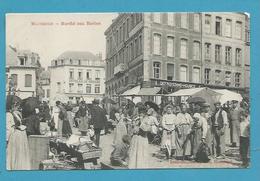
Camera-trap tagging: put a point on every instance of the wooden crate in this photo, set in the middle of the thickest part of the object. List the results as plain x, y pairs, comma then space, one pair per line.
39, 149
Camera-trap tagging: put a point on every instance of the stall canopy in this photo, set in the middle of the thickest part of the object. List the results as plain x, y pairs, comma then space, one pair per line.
132, 92
208, 94
227, 95
149, 91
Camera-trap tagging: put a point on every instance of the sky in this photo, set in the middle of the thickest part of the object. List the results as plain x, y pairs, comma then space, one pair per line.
50, 35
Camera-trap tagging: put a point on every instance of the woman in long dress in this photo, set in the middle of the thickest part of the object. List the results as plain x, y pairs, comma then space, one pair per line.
138, 152
120, 129
18, 156
168, 137
84, 117
183, 136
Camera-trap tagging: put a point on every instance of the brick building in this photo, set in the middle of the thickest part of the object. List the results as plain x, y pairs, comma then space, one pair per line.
177, 50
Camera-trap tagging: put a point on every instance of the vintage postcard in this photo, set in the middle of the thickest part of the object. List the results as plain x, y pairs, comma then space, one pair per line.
127, 90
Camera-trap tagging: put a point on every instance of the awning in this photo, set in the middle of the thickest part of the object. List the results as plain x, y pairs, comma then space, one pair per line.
132, 92
149, 91
185, 92
228, 95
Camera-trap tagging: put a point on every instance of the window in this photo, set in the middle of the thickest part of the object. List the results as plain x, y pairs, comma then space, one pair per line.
79, 62
218, 26
136, 47
228, 28
184, 20
218, 54
196, 75
48, 93
71, 87
217, 76
171, 19
207, 76
131, 51
207, 51
157, 44
14, 78
170, 71
71, 62
156, 70
56, 62
97, 75
28, 80
207, 23
80, 88
71, 74
238, 30
170, 46
237, 79
227, 78
88, 75
183, 53
228, 55
97, 88
140, 45
58, 87
88, 88
80, 75
238, 57
183, 74
196, 50
22, 61
157, 17
196, 22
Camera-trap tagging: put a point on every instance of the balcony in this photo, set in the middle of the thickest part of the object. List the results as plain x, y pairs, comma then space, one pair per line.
119, 69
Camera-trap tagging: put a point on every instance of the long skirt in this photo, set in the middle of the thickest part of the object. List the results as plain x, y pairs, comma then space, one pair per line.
234, 131
83, 125
209, 139
196, 140
138, 153
56, 120
183, 143
66, 129
18, 156
70, 118
168, 140
120, 131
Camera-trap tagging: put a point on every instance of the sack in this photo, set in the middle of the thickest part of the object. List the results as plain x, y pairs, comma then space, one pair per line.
203, 153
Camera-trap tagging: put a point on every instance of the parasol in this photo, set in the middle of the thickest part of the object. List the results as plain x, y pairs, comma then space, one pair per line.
28, 105
196, 100
152, 105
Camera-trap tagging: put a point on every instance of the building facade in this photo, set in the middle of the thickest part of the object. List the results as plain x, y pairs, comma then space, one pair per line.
176, 50
21, 72
77, 75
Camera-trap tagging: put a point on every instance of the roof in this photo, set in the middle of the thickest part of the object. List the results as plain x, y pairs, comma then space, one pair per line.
78, 55
11, 57
149, 91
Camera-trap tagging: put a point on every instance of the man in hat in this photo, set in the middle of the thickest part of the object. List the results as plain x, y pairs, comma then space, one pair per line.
219, 123
234, 123
98, 119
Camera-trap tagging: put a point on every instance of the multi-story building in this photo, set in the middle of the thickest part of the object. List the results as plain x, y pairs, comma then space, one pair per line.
21, 72
45, 80
175, 50
77, 75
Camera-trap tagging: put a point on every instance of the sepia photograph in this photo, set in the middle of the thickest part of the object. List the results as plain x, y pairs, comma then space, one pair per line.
127, 90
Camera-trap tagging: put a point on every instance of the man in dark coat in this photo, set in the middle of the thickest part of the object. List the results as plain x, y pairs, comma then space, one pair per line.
98, 119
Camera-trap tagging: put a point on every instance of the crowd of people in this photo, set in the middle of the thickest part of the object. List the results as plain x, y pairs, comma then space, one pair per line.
184, 132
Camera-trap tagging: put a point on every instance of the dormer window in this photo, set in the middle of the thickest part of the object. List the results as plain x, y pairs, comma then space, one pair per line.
79, 62
22, 61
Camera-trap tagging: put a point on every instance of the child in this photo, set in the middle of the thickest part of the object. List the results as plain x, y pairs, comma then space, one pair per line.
120, 152
244, 138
